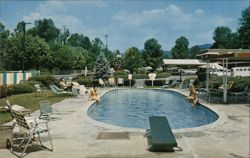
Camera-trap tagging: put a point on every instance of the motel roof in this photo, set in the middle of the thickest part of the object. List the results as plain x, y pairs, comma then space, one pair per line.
183, 62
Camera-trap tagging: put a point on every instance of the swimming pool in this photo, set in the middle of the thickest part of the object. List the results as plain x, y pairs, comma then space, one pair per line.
131, 108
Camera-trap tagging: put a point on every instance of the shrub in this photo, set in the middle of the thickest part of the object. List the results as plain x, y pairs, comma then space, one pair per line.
140, 76
163, 75
118, 73
201, 76
23, 88
126, 82
45, 80
238, 85
4, 91
156, 82
86, 81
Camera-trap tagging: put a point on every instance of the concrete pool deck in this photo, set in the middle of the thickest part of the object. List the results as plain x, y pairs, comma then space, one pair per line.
75, 136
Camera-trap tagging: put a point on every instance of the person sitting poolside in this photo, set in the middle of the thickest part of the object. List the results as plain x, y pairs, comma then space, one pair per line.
93, 95
193, 98
64, 86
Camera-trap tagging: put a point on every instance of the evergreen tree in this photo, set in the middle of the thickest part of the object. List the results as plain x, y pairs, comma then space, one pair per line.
102, 68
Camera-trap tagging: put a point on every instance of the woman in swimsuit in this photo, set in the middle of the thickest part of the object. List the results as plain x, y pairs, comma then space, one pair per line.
193, 96
94, 95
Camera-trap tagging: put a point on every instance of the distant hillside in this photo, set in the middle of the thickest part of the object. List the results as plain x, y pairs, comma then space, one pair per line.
205, 46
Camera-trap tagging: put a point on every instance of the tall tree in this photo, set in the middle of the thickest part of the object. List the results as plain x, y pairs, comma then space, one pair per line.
222, 37
36, 55
180, 50
244, 30
79, 40
133, 59
152, 53
4, 34
65, 58
45, 29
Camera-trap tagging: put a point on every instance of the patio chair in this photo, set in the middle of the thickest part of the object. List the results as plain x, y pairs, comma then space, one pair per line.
80, 88
120, 81
58, 90
46, 111
101, 82
111, 81
38, 87
22, 109
166, 84
173, 83
29, 131
160, 136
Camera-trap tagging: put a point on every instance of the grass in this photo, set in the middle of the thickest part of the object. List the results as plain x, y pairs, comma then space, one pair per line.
29, 101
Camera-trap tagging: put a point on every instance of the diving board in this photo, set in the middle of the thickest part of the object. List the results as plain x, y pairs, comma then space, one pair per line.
160, 136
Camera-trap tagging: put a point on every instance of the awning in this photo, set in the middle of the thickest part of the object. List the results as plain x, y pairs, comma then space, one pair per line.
183, 62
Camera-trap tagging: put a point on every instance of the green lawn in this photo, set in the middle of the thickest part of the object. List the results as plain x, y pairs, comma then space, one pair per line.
30, 101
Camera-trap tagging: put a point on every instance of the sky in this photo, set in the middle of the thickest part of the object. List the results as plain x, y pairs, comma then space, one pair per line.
130, 22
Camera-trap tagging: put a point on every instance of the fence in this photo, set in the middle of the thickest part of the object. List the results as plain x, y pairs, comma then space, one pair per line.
14, 77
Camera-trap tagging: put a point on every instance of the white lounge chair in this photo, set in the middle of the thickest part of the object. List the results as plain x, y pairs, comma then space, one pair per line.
120, 81
57, 90
77, 88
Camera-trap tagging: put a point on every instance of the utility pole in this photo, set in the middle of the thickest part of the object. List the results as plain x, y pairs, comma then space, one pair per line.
106, 38
24, 49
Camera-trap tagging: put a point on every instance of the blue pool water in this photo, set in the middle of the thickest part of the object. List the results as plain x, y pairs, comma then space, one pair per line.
131, 108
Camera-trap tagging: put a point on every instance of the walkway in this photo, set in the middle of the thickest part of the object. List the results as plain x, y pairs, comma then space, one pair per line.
74, 136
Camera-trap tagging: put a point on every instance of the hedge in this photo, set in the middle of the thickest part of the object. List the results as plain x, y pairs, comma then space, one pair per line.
238, 85
156, 82
86, 81
23, 88
45, 80
163, 75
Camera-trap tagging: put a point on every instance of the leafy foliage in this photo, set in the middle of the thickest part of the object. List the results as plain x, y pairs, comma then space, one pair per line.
23, 88
133, 59
36, 55
193, 51
45, 80
224, 38
45, 29
152, 54
244, 30
180, 50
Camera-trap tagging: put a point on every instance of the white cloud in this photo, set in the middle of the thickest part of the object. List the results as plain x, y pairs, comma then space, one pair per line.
199, 12
127, 28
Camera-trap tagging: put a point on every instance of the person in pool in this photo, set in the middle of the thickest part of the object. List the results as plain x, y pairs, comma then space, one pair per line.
193, 98
93, 95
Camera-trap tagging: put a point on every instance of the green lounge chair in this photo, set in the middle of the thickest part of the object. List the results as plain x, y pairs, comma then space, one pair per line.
46, 111
57, 90
160, 136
